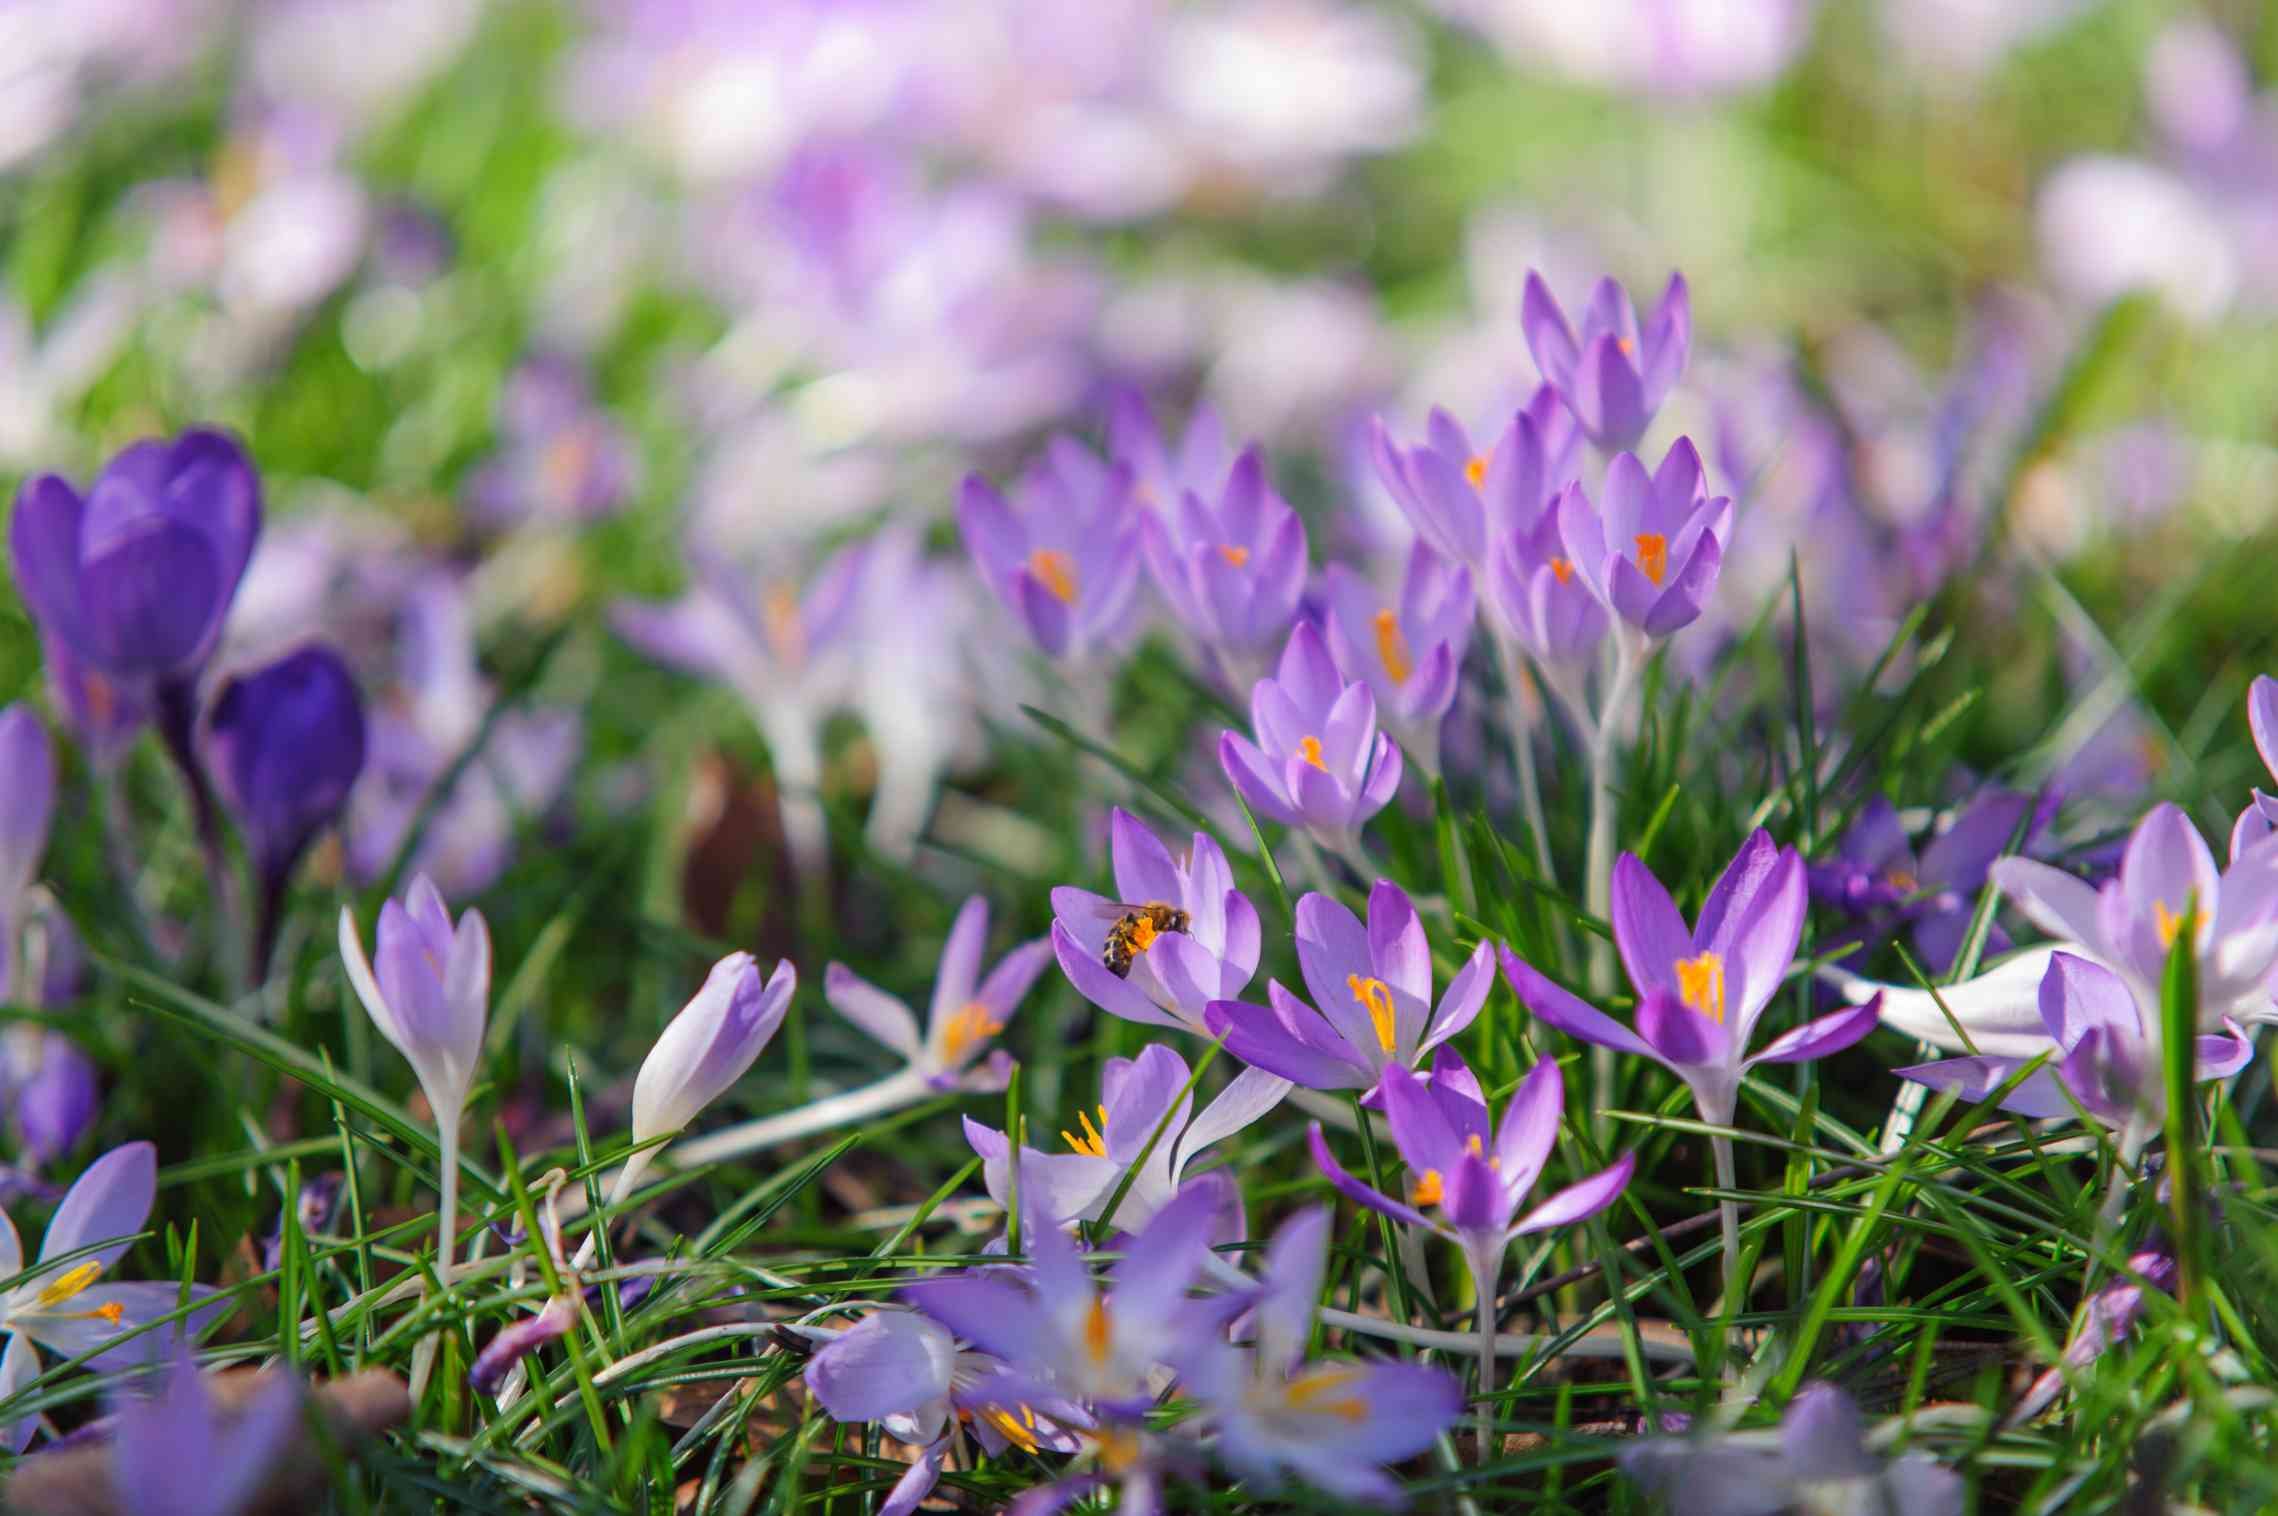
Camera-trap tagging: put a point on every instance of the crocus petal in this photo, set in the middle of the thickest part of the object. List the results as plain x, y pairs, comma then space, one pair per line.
1115, 996
891, 1361
1258, 1037
1820, 1036
1824, 1438
1680, 1036
2262, 719
987, 1310
1549, 339
1466, 994
1144, 869
1252, 775
960, 966
1014, 976
1247, 1097
1562, 1010
110, 1200
1580, 1201
2077, 995
1530, 1127
877, 1013
1396, 945
1162, 1260
710, 1044
2038, 1096
1650, 933
1355, 1191
2224, 1053
19, 1366
2000, 1008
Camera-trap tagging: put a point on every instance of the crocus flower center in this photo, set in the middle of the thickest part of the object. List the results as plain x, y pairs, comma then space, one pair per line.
1476, 470
1099, 1331
1309, 749
1019, 1430
1427, 1190
1562, 569
1237, 556
1902, 880
1700, 984
67, 1287
1056, 571
1392, 647
565, 462
1628, 348
780, 612
968, 1028
1653, 556
2170, 926
1119, 1449
1375, 997
1093, 1144
1323, 1392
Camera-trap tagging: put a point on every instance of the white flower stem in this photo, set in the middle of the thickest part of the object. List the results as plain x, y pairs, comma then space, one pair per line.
1728, 1216
1514, 669
904, 1086
1484, 1283
1467, 1343
447, 1216
1598, 880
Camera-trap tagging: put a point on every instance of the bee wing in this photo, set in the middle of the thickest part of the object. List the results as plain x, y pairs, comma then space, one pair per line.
1111, 910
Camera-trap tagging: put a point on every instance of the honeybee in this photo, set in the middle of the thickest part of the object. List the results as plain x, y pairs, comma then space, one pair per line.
1135, 930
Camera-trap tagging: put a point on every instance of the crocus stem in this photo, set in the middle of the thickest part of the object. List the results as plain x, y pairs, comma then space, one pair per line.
903, 1087
1608, 1348
178, 726
1599, 866
619, 1188
447, 1218
1728, 1219
1522, 750
1484, 1285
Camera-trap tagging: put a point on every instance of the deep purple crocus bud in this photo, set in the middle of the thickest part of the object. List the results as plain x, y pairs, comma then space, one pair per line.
1319, 761
1652, 557
288, 743
1062, 554
1613, 379
136, 577
56, 1102
1232, 567
105, 714
27, 803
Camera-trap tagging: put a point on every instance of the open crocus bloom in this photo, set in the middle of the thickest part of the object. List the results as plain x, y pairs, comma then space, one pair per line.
1108, 1140
967, 1011
1407, 650
1461, 500
1319, 761
1612, 378
1331, 1424
1702, 988
1231, 564
1173, 973
1373, 985
1816, 1462
2108, 1056
1062, 553
1475, 1174
2167, 886
1653, 554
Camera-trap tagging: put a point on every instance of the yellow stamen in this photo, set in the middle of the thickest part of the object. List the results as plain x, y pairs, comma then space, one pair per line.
1093, 1144
1056, 571
1375, 997
1392, 648
969, 1027
1562, 569
1309, 749
1474, 1146
1700, 984
780, 611
1902, 880
1011, 1428
1628, 348
1119, 1450
1427, 1189
69, 1285
2171, 926
1318, 1392
1476, 470
1237, 556
1653, 556
110, 1310
1099, 1331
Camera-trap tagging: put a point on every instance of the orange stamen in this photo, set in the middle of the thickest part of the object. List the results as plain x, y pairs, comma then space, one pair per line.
1653, 556
1392, 648
1056, 571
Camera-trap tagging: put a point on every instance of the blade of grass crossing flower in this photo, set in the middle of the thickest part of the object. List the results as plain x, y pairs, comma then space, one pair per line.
2179, 1025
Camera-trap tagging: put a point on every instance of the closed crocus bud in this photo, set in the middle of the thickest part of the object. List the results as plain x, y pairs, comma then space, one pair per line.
709, 1044
56, 1103
137, 576
288, 743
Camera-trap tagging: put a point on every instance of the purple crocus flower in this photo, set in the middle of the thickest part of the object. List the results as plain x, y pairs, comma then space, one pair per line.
1205, 949
2262, 721
511, 1343
67, 1309
1136, 1094
178, 1454
1231, 565
106, 714
2107, 1057
967, 1010
1818, 1460
561, 457
1330, 1424
1610, 377
1475, 1172
430, 998
1063, 553
1702, 988
2105, 1322
1059, 1333
1319, 761
1373, 985
709, 1045
1462, 501
1160, 473
1408, 650
288, 742
1542, 603
907, 1372
1875, 874
1652, 556
52, 1102
136, 577
2167, 884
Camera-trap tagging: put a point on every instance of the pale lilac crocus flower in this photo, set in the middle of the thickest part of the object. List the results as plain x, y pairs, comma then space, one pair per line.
1539, 601
67, 1309
1477, 1174
2262, 721
2107, 1058
1160, 472
1063, 552
1111, 1140
1231, 564
1462, 500
177, 1454
1332, 1424
1407, 648
2167, 884
1817, 1462
1372, 985
907, 1372
430, 997
2105, 1322
1318, 761
705, 1049
1174, 975
1059, 1334
1652, 555
1611, 376
966, 1013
